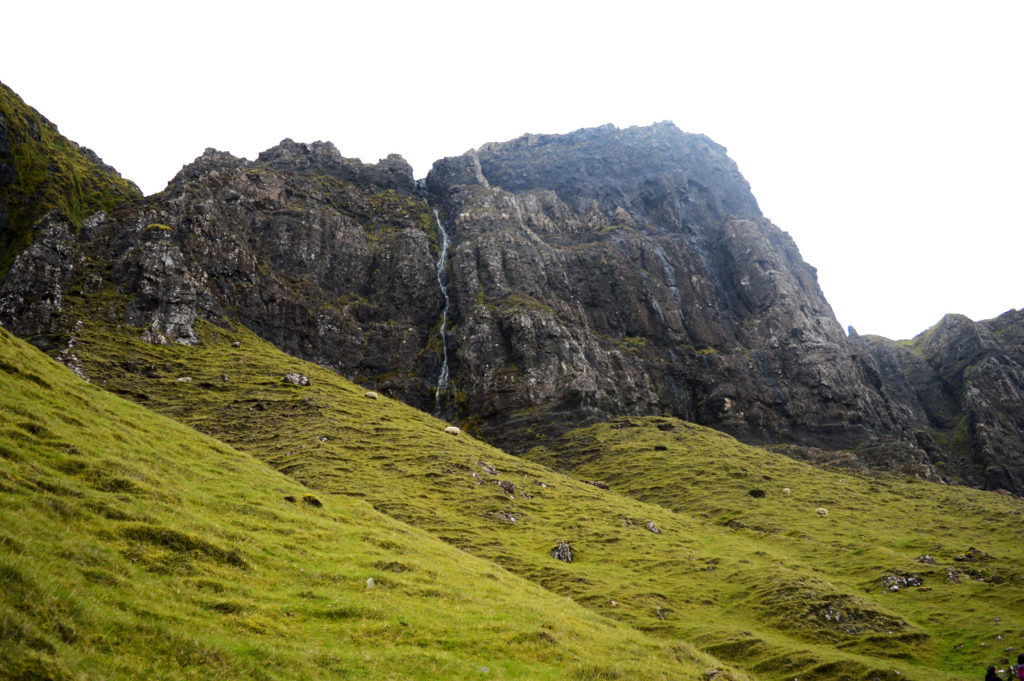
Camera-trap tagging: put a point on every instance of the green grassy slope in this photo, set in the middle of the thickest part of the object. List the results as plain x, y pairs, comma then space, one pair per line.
971, 610
50, 173
134, 547
753, 593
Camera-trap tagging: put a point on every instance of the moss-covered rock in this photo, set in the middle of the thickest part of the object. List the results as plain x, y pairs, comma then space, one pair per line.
41, 171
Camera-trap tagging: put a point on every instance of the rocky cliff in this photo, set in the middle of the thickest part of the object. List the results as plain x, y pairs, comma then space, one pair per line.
601, 273
610, 272
961, 385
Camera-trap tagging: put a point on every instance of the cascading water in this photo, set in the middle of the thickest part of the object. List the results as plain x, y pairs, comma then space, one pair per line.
442, 281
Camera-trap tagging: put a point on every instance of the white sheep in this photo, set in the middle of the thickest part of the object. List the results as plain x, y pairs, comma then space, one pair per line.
452, 430
787, 491
822, 512
371, 394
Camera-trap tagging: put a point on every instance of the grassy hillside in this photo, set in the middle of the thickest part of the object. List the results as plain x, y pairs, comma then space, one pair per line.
971, 611
134, 547
763, 583
43, 171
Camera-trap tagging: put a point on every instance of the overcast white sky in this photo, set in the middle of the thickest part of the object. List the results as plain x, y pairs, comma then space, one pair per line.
886, 137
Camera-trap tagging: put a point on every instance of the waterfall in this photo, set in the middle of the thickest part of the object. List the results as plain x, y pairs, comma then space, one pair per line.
442, 282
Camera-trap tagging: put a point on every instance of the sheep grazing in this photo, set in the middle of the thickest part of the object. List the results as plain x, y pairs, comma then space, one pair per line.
787, 491
452, 430
822, 512
371, 394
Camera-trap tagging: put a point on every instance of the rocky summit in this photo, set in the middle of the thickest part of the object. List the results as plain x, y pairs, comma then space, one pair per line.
598, 274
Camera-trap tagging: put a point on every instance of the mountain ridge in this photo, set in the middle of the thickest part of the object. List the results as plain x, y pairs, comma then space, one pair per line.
330, 530
596, 274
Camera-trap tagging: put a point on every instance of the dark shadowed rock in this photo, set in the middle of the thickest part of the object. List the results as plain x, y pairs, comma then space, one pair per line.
32, 293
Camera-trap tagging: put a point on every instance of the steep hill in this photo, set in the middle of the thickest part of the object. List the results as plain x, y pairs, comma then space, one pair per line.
609, 272
41, 172
134, 547
761, 582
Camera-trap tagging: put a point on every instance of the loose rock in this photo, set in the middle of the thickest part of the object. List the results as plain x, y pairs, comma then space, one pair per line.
296, 379
895, 583
562, 552
972, 554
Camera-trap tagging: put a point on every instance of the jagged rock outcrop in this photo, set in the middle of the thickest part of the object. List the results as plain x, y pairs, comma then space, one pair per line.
961, 384
610, 272
32, 293
329, 258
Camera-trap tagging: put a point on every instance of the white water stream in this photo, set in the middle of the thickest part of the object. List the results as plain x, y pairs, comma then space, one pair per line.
442, 281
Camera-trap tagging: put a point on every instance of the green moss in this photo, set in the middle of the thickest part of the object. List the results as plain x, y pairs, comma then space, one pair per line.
51, 174
157, 225
634, 343
960, 438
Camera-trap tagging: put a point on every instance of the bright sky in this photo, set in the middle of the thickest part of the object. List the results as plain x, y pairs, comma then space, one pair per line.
886, 137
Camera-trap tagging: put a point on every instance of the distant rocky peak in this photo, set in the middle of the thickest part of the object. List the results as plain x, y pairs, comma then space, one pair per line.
210, 160
300, 157
323, 158
657, 174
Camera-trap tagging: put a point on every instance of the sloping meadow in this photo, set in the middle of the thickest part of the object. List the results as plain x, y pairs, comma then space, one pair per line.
132, 546
761, 582
919, 571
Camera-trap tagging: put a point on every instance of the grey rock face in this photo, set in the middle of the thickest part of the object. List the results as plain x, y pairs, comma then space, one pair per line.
164, 289
32, 293
610, 272
961, 387
328, 258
